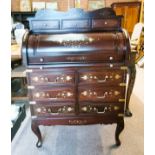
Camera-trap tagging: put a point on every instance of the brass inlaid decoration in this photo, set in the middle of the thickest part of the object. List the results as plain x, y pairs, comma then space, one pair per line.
117, 76
56, 95
30, 87
122, 84
123, 68
121, 100
120, 115
116, 108
77, 122
55, 110
116, 93
96, 109
61, 78
91, 93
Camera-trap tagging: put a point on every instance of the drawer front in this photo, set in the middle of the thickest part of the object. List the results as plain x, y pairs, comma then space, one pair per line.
51, 77
100, 76
52, 93
105, 23
92, 57
76, 24
101, 94
56, 109
43, 25
101, 109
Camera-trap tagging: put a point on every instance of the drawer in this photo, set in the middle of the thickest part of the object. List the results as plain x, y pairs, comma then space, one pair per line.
102, 76
101, 109
54, 109
43, 25
93, 93
105, 23
76, 24
52, 93
51, 77
81, 58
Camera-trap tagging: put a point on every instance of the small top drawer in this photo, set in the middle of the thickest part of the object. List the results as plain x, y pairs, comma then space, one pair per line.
76, 24
105, 23
39, 25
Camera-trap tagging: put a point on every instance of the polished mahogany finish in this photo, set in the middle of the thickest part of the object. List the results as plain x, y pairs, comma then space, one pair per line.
77, 64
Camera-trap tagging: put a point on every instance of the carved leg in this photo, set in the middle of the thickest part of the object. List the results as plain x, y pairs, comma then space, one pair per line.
119, 129
37, 132
132, 75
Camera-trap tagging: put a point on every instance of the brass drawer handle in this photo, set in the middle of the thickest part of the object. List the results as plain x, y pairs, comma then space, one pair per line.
104, 96
54, 113
101, 81
102, 112
101, 97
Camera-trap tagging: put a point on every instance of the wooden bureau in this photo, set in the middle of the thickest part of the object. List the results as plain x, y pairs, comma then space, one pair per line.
77, 63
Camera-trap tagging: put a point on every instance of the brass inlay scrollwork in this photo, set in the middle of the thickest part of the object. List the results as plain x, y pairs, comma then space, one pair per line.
77, 122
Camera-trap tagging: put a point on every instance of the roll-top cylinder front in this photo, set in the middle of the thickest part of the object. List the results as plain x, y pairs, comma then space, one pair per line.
75, 47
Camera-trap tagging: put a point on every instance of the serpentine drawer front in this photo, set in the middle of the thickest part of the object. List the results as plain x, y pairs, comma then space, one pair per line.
77, 63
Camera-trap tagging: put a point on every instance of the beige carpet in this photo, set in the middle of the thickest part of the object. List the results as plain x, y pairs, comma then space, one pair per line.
87, 140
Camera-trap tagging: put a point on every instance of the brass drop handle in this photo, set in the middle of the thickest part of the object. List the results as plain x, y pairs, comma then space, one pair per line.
54, 113
102, 97
101, 112
104, 80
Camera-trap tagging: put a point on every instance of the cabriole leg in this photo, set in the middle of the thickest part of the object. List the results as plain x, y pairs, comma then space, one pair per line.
132, 76
119, 129
36, 130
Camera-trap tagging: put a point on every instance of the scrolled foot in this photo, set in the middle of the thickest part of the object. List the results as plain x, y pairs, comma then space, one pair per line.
36, 130
128, 113
39, 144
118, 143
119, 129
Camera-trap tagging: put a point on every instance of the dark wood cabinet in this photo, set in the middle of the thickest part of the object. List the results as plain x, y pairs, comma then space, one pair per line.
22, 17
77, 75
130, 12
